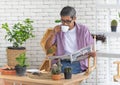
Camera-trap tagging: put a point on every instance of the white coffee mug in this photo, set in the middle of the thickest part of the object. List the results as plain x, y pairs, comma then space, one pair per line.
64, 28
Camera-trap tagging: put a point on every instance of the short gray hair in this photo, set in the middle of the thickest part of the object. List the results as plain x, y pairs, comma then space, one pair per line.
68, 11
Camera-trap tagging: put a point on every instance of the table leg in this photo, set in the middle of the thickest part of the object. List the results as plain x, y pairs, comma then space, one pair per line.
14, 83
7, 82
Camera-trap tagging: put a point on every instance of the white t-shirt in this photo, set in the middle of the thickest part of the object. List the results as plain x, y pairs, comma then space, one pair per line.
70, 41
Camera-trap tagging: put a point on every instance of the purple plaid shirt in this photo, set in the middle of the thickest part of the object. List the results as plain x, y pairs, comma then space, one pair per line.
83, 37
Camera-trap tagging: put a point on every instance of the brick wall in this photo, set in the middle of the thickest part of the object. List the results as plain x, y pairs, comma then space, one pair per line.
44, 13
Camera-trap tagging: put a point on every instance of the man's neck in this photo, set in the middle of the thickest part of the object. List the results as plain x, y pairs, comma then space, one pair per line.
72, 26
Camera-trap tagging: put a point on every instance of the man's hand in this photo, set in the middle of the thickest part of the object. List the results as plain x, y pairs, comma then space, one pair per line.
93, 54
57, 29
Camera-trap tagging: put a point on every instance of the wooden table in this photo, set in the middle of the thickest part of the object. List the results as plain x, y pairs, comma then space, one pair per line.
16, 80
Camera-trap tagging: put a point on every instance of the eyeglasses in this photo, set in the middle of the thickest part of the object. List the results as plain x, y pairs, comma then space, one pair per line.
66, 21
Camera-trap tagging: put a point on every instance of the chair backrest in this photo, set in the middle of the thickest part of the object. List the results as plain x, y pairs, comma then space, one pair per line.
91, 67
46, 64
52, 50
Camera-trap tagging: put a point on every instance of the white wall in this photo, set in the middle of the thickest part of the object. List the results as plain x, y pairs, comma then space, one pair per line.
44, 13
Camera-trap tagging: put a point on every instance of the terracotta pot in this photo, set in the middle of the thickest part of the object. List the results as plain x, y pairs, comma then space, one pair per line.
56, 77
1, 71
8, 72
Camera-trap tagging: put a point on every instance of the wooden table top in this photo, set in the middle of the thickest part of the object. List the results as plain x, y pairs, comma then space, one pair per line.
75, 78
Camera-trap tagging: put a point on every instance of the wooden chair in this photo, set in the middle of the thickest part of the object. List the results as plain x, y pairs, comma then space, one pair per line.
46, 65
117, 77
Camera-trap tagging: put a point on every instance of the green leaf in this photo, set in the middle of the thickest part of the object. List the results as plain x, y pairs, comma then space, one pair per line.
57, 21
20, 32
21, 59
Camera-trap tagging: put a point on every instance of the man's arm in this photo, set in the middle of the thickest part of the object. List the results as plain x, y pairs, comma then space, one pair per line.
93, 53
51, 39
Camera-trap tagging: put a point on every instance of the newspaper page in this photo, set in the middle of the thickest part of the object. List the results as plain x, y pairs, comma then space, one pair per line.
76, 56
81, 54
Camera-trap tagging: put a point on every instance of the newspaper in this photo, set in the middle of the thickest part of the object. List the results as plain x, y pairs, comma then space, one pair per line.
76, 56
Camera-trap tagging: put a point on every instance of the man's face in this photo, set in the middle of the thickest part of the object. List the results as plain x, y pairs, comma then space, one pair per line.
68, 21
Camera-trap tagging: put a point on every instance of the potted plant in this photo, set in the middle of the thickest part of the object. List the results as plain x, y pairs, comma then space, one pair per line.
114, 25
67, 72
21, 66
19, 33
56, 71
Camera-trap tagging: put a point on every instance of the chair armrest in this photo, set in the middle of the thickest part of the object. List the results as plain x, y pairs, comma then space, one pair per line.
91, 68
117, 77
118, 67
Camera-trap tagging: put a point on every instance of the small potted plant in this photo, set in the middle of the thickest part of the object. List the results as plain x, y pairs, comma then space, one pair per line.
19, 33
21, 66
67, 72
114, 25
56, 71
